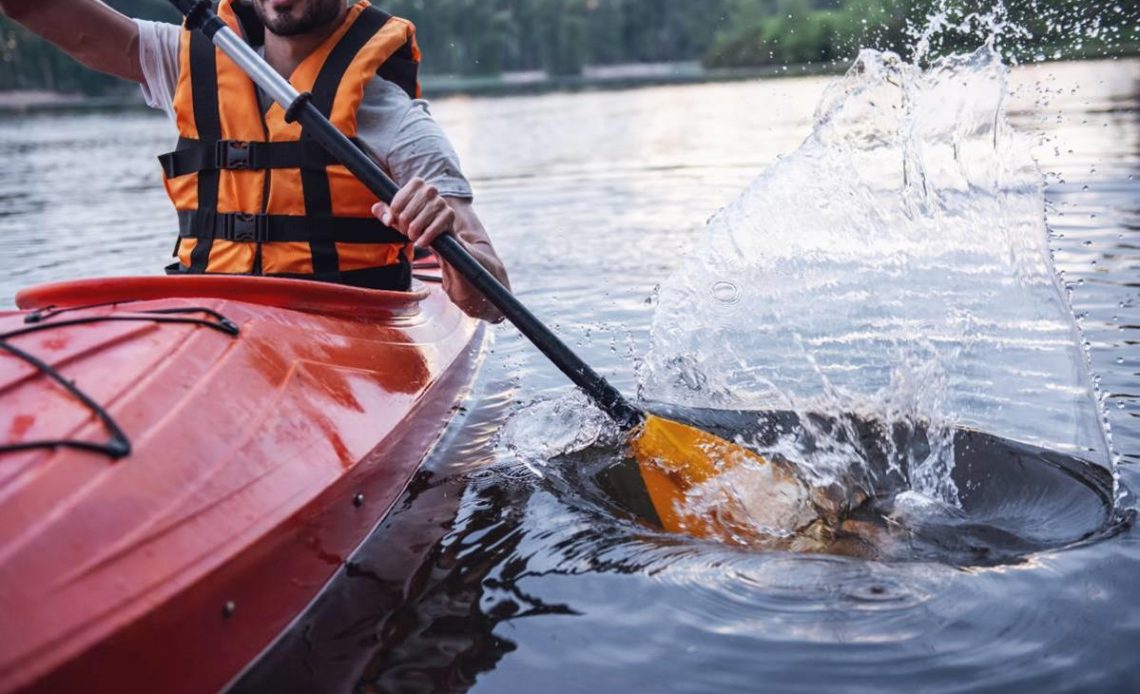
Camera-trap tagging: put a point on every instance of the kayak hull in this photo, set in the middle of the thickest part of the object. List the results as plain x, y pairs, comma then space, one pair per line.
258, 462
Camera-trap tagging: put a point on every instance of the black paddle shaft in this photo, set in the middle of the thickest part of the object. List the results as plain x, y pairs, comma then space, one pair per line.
200, 15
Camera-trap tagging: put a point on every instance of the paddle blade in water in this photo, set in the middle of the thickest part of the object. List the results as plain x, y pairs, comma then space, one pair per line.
703, 485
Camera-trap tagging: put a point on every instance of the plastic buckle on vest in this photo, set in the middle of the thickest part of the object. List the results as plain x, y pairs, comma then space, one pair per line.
234, 154
248, 228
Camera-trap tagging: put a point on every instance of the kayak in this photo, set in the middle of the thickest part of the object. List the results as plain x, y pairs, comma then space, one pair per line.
186, 461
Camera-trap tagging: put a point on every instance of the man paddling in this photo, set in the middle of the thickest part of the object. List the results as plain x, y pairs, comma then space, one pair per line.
253, 195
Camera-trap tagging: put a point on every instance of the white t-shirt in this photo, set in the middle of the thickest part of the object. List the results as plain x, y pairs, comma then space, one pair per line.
399, 129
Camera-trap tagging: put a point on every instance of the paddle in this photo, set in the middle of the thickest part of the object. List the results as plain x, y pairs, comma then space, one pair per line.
672, 457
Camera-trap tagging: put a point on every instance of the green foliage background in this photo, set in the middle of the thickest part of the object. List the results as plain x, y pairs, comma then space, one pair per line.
487, 37
802, 31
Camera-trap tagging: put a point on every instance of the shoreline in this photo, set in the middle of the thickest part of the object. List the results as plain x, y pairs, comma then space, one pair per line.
24, 102
618, 77
601, 78
438, 87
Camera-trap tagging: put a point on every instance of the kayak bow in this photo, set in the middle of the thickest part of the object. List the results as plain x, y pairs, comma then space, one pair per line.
271, 424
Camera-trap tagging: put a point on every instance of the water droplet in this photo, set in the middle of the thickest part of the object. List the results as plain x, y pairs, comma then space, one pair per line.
726, 292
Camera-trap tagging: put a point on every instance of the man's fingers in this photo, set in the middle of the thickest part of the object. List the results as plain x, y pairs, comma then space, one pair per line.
442, 223
398, 209
415, 209
432, 208
418, 211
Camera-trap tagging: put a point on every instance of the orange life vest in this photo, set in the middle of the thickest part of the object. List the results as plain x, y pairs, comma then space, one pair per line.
255, 195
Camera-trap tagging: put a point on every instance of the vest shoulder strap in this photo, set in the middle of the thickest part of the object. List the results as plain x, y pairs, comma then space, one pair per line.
208, 121
251, 26
325, 87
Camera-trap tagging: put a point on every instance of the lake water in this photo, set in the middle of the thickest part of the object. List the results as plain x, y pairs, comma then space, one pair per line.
513, 577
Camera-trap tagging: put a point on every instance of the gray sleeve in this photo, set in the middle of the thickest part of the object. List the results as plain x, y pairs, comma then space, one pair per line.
158, 56
407, 139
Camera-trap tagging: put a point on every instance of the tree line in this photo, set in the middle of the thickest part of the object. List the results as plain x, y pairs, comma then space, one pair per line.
560, 37
802, 31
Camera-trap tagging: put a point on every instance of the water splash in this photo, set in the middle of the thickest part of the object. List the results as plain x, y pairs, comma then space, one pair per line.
547, 429
896, 266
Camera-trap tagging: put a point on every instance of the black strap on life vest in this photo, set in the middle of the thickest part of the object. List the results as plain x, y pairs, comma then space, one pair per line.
315, 183
403, 70
206, 225
253, 31
390, 277
325, 87
208, 119
194, 156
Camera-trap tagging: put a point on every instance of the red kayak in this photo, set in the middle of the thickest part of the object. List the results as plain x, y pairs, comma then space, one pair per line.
185, 462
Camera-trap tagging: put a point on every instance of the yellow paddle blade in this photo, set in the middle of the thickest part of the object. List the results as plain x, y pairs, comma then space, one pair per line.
703, 485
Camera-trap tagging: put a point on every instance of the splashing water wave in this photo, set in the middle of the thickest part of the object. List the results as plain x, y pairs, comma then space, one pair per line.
880, 310
897, 267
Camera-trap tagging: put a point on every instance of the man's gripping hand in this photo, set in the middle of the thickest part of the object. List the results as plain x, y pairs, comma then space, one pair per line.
421, 213
418, 211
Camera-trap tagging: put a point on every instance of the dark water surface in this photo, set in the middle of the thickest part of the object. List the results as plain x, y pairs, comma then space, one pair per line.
493, 578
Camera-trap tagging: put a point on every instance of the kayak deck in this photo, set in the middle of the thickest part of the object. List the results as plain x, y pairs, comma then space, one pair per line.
259, 458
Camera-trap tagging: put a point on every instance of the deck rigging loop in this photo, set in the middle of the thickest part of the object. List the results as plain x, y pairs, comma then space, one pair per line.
118, 445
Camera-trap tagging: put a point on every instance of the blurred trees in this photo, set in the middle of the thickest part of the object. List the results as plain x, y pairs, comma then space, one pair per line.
466, 37
560, 37
471, 37
812, 31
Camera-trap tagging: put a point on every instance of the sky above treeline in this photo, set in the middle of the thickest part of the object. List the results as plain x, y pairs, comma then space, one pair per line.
487, 37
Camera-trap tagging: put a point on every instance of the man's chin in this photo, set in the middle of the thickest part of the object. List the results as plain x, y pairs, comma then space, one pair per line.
286, 26
298, 20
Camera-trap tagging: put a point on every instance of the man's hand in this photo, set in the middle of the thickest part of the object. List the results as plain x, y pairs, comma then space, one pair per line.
419, 212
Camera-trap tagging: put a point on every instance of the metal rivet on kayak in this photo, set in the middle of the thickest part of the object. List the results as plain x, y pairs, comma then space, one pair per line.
358, 500
228, 609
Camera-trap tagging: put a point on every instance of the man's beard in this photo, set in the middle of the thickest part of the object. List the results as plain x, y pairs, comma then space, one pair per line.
315, 16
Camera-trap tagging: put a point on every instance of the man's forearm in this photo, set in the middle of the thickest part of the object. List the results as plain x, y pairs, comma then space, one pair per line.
88, 30
470, 231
